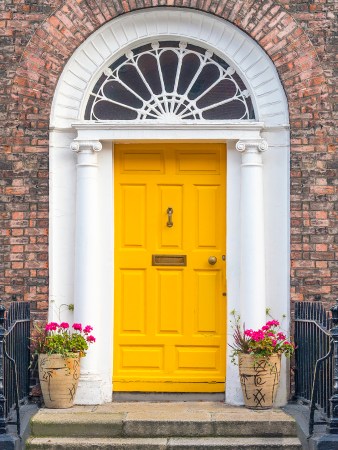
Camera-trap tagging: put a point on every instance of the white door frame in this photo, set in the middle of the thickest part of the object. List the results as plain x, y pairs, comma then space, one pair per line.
81, 185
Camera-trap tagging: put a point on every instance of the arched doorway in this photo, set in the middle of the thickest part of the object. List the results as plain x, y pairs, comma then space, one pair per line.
257, 201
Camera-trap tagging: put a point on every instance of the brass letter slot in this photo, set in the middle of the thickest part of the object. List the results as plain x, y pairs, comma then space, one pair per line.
169, 260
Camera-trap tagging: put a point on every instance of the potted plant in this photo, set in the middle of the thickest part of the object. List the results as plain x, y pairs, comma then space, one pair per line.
258, 354
59, 348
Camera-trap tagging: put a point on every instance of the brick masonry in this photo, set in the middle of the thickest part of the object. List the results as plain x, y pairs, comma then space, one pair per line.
37, 39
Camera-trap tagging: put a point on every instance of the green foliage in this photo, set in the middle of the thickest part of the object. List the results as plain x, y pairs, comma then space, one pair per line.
60, 339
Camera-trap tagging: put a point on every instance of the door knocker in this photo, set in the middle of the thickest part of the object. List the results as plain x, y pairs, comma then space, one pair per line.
170, 217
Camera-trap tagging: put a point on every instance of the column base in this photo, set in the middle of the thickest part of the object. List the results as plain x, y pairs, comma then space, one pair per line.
233, 390
93, 390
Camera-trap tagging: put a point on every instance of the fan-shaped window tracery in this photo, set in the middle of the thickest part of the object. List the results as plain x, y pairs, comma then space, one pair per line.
169, 81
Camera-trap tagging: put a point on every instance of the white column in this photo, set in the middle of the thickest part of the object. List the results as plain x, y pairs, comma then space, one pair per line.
86, 288
252, 277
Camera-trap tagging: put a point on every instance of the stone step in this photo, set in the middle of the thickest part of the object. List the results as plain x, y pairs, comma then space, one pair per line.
178, 443
159, 426
168, 421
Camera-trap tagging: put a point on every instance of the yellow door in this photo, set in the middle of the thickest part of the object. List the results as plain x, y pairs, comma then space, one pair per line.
170, 302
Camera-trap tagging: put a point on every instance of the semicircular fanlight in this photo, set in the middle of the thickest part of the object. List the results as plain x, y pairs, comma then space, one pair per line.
170, 81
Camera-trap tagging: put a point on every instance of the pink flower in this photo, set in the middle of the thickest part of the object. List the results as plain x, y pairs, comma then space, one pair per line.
265, 341
87, 329
51, 326
257, 335
64, 325
90, 339
77, 326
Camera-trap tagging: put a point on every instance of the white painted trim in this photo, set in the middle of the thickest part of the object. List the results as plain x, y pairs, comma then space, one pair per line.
136, 28
150, 131
183, 125
209, 125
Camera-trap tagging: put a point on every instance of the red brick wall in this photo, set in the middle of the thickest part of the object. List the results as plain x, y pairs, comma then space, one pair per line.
38, 39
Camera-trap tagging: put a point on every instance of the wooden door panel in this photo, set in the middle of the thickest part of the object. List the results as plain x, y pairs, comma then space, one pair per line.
202, 161
207, 286
206, 216
133, 206
133, 305
198, 358
144, 358
170, 196
142, 160
169, 301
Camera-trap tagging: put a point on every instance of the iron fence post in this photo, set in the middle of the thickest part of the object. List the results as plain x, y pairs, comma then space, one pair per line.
8, 441
333, 421
3, 426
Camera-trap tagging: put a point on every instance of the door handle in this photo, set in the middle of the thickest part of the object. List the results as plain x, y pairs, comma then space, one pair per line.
212, 260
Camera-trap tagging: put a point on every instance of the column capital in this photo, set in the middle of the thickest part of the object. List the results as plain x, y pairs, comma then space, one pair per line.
85, 146
86, 152
252, 145
252, 150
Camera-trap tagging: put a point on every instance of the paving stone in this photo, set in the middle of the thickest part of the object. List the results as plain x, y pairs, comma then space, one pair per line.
97, 443
77, 424
205, 443
168, 428
214, 443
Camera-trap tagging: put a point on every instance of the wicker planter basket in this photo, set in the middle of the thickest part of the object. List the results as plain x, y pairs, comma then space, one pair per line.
259, 380
59, 378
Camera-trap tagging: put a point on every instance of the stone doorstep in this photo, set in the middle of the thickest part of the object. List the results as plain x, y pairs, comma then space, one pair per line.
146, 419
205, 443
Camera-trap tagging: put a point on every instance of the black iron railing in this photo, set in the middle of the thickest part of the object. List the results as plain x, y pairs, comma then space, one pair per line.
316, 356
14, 361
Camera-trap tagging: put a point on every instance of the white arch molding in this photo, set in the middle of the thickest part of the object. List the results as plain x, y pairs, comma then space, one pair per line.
81, 183
120, 35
